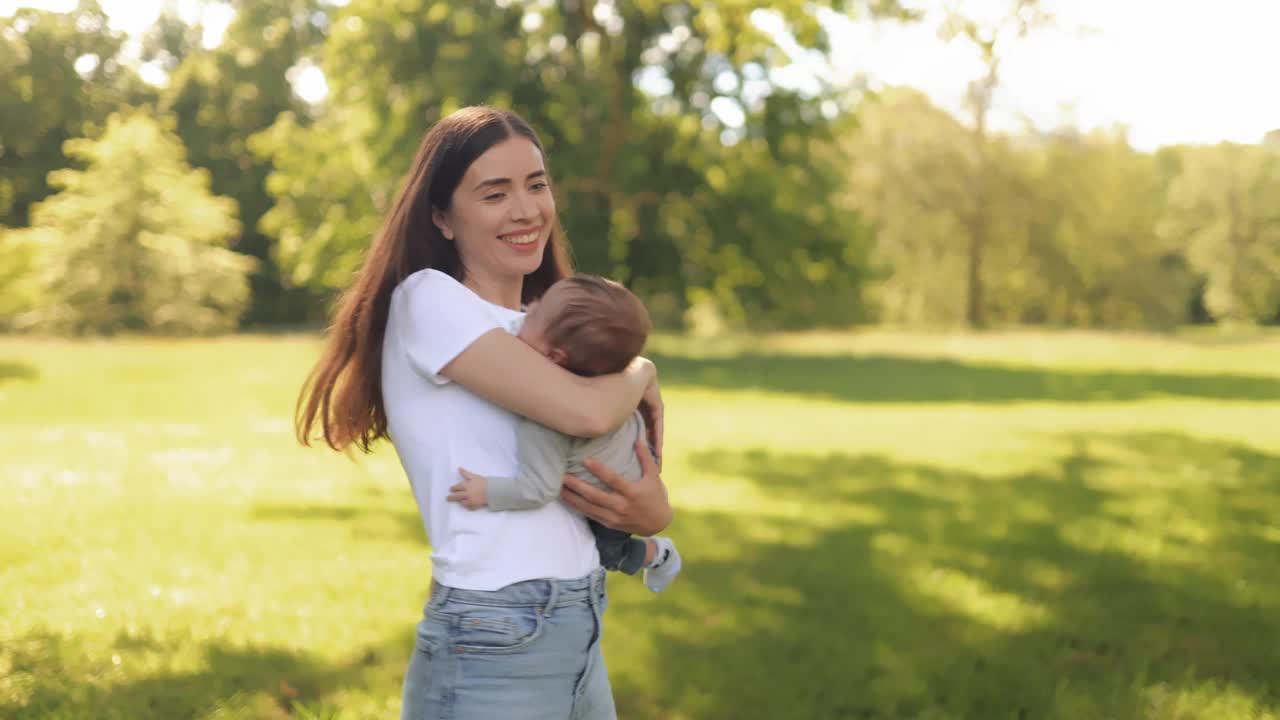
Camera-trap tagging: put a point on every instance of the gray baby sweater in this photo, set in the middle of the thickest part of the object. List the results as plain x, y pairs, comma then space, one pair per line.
546, 455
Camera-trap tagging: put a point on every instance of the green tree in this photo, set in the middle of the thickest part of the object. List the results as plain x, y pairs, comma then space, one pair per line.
1069, 222
18, 289
60, 76
221, 97
681, 165
914, 178
1093, 256
989, 33
1225, 208
135, 240
911, 181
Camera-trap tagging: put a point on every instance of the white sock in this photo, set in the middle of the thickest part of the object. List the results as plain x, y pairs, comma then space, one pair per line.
665, 565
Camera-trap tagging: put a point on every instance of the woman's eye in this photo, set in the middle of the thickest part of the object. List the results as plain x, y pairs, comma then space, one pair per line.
538, 186
495, 196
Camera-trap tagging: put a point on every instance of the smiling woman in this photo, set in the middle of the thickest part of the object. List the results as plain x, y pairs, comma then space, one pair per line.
422, 352
502, 217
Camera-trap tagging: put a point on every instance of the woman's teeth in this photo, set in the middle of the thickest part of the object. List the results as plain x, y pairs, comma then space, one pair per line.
522, 238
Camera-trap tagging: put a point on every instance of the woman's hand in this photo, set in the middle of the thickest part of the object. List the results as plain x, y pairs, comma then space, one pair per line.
640, 508
651, 411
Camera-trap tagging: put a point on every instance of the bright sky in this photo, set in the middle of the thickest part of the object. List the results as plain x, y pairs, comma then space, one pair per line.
1170, 70
134, 16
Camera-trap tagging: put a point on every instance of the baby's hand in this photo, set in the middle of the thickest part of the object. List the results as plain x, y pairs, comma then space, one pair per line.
469, 492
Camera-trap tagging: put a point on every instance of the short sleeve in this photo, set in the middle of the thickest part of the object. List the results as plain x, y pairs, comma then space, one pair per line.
442, 318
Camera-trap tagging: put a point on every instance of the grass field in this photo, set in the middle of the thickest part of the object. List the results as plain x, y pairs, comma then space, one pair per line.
874, 526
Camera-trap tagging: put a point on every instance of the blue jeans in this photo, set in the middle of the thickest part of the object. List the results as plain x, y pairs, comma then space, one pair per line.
529, 651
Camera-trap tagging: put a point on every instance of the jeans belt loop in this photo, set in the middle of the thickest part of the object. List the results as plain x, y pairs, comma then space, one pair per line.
552, 596
439, 594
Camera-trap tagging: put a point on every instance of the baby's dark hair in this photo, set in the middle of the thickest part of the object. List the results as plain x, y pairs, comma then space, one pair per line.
601, 328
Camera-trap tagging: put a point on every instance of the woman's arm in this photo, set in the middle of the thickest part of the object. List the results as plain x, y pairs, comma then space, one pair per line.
507, 372
640, 508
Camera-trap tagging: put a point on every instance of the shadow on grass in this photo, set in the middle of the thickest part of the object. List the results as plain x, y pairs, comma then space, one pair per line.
269, 681
70, 678
17, 371
401, 523
878, 589
1119, 581
888, 378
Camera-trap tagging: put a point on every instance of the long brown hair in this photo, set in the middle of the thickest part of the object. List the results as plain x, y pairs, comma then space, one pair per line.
343, 393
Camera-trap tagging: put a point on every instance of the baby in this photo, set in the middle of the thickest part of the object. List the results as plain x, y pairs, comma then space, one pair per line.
590, 326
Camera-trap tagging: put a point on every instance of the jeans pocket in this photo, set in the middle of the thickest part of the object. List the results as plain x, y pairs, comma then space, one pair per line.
483, 629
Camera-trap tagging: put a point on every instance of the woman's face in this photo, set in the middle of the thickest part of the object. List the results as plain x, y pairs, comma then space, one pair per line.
502, 212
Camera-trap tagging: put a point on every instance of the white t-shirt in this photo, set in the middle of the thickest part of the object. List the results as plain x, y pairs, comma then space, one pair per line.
438, 426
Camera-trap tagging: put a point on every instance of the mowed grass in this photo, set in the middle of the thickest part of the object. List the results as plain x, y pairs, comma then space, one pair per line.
873, 525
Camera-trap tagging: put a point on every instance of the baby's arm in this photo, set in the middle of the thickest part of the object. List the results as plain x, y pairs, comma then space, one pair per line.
544, 457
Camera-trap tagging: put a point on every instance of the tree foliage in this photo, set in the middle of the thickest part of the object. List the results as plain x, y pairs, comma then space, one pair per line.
1070, 231
221, 97
1224, 207
60, 77
702, 151
680, 164
135, 241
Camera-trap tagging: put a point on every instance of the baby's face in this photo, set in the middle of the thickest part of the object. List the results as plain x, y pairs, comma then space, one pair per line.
536, 319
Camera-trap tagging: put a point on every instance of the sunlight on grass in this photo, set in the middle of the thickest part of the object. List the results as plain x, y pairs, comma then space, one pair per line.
975, 599
874, 525
1208, 701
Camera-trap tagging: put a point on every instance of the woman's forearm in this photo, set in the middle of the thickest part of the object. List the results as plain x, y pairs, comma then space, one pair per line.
509, 373
617, 396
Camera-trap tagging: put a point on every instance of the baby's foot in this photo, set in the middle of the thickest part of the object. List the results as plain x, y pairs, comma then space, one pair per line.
665, 566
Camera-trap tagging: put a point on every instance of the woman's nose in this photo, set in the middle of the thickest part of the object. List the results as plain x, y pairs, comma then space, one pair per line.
522, 206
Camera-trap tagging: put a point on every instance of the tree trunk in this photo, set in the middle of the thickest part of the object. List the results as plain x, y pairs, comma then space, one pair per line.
974, 314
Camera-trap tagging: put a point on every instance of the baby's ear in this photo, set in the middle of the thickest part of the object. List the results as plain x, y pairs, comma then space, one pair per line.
558, 356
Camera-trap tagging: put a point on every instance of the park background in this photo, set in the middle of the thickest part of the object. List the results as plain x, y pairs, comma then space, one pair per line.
966, 320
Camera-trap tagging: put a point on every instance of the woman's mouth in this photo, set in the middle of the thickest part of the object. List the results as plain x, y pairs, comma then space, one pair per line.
523, 239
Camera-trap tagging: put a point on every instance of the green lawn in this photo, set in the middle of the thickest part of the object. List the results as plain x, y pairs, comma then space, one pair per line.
874, 526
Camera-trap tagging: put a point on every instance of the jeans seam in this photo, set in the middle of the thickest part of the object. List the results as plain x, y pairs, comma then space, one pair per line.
597, 619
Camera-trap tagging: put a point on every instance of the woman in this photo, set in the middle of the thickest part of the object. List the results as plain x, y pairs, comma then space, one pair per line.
421, 351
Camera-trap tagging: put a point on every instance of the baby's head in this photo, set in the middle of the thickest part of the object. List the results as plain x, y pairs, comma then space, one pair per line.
587, 324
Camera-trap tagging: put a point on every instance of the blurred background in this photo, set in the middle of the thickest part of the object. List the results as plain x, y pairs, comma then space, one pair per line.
966, 316
742, 165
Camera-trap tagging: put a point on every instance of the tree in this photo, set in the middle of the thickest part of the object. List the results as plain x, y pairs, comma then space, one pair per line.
1070, 230
60, 76
134, 241
1225, 208
1093, 256
911, 181
1012, 20
18, 290
680, 165
221, 97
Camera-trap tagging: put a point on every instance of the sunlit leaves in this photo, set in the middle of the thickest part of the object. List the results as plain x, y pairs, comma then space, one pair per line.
135, 241
1225, 205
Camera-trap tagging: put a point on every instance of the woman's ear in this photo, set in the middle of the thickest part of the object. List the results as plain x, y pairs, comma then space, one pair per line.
558, 356
442, 222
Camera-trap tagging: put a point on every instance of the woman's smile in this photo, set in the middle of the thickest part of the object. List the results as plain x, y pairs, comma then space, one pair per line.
525, 239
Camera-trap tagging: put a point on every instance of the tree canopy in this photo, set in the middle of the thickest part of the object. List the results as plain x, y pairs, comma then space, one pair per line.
135, 241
